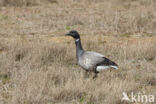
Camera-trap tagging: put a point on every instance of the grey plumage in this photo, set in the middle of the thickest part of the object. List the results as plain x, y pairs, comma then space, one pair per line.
90, 61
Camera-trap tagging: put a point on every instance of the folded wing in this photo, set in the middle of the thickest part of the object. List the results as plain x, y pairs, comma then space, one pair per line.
100, 61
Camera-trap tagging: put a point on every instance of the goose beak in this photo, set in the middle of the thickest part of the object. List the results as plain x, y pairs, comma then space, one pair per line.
67, 34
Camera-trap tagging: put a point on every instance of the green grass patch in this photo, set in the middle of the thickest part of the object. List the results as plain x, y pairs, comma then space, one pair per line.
5, 78
68, 27
2, 17
127, 34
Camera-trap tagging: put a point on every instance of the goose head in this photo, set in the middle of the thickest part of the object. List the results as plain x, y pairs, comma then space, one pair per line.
74, 34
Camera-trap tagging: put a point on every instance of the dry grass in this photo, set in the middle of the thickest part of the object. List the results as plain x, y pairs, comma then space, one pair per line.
20, 3
38, 64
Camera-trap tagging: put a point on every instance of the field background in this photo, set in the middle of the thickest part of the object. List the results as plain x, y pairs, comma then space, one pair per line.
38, 63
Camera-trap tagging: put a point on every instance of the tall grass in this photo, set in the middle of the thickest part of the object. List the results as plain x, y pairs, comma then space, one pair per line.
46, 72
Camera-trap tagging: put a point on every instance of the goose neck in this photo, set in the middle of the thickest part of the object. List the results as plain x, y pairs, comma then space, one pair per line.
79, 48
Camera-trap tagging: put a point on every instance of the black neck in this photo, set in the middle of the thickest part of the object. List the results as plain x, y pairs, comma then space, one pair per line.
79, 49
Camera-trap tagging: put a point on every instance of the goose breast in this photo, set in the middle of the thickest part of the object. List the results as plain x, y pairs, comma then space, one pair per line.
88, 60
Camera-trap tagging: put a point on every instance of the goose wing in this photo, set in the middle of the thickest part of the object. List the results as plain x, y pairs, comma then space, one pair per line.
100, 61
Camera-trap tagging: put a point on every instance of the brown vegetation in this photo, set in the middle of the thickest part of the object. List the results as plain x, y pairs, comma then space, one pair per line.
38, 64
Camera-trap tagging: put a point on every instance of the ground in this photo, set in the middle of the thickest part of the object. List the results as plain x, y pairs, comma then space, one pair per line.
38, 63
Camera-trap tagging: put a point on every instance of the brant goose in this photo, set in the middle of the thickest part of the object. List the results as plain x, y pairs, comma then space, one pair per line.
90, 61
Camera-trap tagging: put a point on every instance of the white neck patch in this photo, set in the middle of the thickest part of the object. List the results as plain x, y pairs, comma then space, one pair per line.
77, 40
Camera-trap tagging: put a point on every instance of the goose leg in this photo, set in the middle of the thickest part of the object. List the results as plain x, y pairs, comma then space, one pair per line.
95, 73
86, 75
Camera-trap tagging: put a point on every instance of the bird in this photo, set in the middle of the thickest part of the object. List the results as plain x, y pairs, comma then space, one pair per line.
90, 61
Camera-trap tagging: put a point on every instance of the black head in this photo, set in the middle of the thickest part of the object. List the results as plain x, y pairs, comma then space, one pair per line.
74, 34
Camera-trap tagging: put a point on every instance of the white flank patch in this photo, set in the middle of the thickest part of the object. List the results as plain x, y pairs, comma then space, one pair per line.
100, 68
115, 67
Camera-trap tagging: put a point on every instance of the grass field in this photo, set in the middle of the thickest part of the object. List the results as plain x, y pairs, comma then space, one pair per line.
38, 63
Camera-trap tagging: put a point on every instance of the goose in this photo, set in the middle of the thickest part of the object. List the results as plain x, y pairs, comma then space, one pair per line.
88, 60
